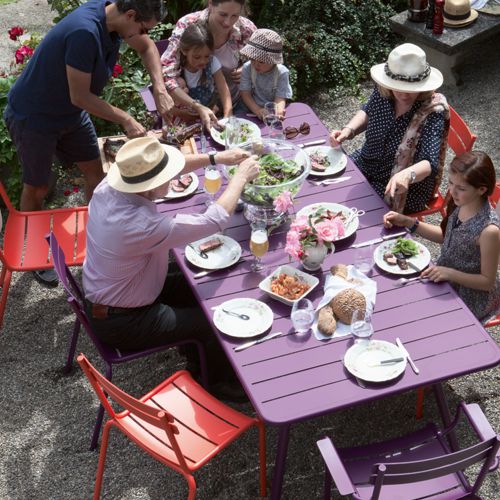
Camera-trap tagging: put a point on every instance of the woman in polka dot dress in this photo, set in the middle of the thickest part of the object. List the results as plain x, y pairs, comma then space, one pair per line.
406, 124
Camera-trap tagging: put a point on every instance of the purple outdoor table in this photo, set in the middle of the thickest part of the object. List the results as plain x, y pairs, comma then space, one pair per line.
295, 378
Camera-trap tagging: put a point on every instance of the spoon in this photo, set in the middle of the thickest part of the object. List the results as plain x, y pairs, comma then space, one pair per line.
404, 281
231, 313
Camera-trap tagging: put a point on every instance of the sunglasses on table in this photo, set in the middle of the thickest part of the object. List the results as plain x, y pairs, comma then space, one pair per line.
292, 132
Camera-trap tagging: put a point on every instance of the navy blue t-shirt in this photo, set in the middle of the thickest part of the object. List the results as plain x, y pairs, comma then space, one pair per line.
80, 40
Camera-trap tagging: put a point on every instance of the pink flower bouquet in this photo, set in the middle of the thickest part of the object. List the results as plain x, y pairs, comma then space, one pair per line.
318, 228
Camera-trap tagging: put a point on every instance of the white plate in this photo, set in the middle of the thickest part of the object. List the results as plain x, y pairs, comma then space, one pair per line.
226, 255
337, 159
265, 284
360, 358
261, 318
172, 195
421, 260
254, 131
334, 207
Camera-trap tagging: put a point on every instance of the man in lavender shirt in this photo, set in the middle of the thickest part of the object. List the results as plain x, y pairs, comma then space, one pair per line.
133, 300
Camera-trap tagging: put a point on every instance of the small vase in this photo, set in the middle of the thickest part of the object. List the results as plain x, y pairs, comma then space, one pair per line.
314, 257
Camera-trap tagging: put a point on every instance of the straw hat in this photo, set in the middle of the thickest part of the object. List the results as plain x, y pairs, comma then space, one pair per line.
457, 13
407, 70
143, 164
264, 46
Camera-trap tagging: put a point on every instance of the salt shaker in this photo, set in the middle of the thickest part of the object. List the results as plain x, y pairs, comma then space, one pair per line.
437, 28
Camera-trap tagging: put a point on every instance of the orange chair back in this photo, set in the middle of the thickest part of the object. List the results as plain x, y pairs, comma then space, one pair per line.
460, 138
495, 196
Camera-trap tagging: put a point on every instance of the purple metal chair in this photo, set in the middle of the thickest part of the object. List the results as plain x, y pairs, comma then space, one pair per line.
109, 354
147, 94
419, 465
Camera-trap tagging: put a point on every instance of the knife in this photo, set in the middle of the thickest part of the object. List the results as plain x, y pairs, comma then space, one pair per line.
380, 239
413, 266
246, 345
311, 143
386, 362
201, 274
407, 355
203, 143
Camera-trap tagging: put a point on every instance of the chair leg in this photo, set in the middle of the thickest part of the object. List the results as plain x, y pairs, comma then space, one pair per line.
203, 364
102, 460
4, 284
262, 458
72, 346
192, 487
100, 414
420, 403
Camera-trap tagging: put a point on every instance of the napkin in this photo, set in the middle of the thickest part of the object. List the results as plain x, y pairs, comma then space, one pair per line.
334, 285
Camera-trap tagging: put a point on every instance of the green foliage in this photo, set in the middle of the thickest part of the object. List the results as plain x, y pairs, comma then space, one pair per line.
63, 7
328, 45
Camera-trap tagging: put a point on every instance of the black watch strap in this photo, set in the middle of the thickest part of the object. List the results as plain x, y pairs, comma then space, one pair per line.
211, 157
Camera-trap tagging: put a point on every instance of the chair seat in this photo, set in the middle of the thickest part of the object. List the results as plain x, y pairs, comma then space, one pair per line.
205, 424
417, 446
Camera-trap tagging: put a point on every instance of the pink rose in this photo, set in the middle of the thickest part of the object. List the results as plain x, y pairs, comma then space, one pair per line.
293, 245
283, 202
22, 52
299, 224
15, 31
327, 230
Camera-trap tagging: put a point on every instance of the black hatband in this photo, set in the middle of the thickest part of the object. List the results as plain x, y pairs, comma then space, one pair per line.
262, 47
136, 179
404, 78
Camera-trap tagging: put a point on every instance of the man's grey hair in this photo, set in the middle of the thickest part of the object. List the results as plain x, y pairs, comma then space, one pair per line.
145, 10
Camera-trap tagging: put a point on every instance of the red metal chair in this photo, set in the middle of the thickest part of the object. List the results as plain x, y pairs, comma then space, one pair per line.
178, 423
417, 465
110, 355
24, 247
460, 140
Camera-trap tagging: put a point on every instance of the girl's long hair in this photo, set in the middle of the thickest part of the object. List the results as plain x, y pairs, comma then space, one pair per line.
196, 35
477, 169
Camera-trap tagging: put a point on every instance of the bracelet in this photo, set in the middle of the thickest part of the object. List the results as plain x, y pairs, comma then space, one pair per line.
352, 132
413, 228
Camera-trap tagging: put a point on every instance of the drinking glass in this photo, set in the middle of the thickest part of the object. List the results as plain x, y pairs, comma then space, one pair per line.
302, 315
213, 181
361, 325
364, 259
276, 129
259, 245
232, 132
269, 115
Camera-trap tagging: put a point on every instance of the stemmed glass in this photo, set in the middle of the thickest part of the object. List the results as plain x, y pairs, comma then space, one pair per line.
361, 325
259, 245
270, 118
302, 315
232, 132
213, 181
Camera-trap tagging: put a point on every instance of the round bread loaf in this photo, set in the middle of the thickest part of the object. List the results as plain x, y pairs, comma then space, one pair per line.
345, 302
326, 321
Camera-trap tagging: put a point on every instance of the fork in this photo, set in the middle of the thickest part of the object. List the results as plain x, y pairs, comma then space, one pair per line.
327, 182
201, 253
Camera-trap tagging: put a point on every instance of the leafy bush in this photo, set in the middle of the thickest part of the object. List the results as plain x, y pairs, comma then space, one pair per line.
328, 45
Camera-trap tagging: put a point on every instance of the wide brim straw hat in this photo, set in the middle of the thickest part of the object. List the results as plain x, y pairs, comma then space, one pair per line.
143, 164
264, 46
457, 13
407, 70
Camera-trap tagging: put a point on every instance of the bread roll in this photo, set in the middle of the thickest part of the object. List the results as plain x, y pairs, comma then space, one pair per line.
326, 321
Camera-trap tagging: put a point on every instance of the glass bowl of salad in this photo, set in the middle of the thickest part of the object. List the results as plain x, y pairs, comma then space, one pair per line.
283, 167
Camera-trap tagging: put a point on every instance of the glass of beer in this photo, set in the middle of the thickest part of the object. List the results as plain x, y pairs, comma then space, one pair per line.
213, 181
259, 245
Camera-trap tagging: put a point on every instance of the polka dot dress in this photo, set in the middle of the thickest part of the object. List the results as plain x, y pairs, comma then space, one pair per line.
383, 136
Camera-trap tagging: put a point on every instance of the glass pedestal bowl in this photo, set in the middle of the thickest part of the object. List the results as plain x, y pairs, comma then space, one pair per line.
284, 167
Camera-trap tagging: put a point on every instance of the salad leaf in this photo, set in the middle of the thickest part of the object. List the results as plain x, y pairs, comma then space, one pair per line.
405, 246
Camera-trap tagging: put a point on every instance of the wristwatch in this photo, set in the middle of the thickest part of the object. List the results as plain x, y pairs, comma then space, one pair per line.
413, 176
211, 157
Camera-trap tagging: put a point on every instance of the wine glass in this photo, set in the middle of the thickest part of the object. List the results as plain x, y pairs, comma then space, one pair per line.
269, 115
213, 181
302, 315
361, 325
259, 245
232, 132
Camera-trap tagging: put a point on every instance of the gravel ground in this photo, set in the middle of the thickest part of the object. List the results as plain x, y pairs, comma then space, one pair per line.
46, 417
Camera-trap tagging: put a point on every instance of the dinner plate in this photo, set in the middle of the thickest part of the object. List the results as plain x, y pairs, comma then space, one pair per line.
261, 318
337, 159
334, 207
361, 361
253, 131
172, 195
224, 256
421, 261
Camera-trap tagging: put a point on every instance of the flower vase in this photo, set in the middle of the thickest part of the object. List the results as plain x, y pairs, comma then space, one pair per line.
314, 256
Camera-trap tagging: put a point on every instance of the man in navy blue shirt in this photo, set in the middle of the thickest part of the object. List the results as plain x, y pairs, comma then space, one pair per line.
49, 105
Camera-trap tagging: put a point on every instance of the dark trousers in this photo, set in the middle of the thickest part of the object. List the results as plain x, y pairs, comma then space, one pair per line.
159, 324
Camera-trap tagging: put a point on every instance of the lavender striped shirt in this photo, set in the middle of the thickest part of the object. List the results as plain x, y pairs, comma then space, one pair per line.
128, 242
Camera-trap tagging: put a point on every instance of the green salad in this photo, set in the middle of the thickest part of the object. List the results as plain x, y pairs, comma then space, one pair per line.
407, 247
244, 135
274, 171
